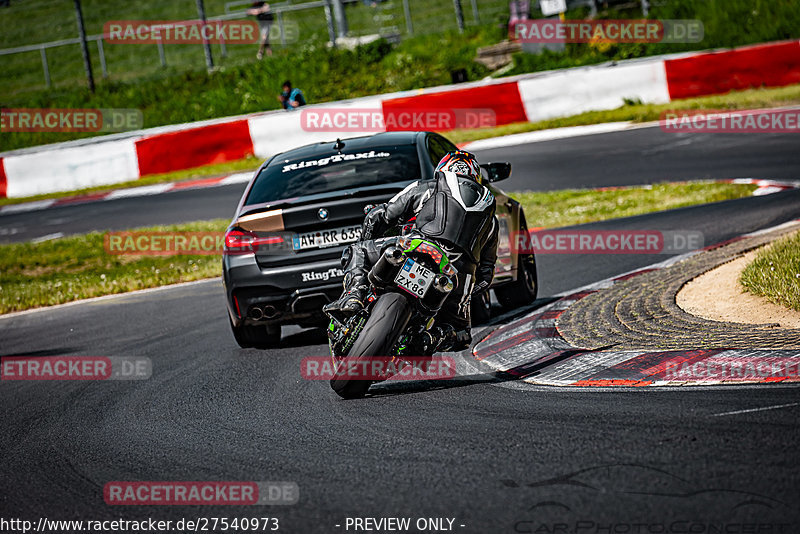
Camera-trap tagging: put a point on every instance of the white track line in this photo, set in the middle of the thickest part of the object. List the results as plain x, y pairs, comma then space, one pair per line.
751, 410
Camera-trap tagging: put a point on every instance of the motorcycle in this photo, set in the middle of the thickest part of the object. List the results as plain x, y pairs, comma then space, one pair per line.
408, 286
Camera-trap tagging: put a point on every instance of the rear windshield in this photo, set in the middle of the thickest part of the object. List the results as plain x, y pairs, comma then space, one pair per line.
291, 178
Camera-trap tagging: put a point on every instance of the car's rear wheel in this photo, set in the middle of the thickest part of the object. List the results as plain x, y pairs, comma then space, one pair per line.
256, 336
523, 290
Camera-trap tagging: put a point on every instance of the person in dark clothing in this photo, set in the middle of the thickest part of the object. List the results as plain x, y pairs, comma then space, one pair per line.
456, 210
262, 12
291, 98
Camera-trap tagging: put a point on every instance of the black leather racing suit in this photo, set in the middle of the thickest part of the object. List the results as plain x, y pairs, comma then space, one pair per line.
456, 212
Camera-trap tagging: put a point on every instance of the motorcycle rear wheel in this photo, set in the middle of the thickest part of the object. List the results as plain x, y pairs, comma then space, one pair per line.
388, 319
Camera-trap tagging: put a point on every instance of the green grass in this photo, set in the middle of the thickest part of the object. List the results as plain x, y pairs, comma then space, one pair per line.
28, 22
323, 74
727, 23
553, 209
40, 21
78, 267
775, 273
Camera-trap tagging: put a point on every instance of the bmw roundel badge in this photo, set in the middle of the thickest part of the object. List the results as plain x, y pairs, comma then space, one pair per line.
322, 214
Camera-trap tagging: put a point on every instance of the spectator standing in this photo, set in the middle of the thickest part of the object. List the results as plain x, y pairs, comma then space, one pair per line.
262, 12
291, 98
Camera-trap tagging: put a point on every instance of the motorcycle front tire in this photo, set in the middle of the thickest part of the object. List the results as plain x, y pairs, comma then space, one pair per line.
387, 320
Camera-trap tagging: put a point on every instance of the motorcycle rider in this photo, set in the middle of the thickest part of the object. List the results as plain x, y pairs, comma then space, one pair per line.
456, 210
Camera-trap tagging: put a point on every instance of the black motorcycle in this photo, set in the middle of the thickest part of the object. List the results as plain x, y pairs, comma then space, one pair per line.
408, 286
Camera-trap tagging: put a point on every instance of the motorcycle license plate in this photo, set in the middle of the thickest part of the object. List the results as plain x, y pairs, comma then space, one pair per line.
414, 278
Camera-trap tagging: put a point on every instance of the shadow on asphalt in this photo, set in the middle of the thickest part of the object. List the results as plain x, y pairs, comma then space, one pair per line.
520, 372
495, 377
310, 336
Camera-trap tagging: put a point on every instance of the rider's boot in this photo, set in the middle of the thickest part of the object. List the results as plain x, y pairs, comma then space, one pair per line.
354, 296
451, 340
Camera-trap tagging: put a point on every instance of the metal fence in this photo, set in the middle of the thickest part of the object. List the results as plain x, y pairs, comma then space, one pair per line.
295, 25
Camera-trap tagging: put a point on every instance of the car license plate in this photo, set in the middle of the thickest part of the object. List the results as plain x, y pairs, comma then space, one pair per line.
326, 238
414, 278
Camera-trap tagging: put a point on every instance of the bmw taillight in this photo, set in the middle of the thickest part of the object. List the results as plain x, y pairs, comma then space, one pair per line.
240, 242
244, 242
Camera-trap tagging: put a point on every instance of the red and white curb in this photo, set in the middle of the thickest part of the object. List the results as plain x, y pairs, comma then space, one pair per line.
532, 97
531, 349
766, 187
131, 192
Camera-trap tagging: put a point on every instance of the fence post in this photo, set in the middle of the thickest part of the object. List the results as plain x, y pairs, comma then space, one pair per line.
329, 20
161, 55
102, 53
459, 15
341, 18
407, 12
87, 62
475, 12
201, 11
46, 68
280, 27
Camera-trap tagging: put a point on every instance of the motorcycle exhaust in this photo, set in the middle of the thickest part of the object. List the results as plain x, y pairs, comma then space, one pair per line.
443, 284
386, 268
433, 300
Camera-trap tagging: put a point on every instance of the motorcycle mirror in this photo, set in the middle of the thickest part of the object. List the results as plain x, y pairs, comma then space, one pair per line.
497, 171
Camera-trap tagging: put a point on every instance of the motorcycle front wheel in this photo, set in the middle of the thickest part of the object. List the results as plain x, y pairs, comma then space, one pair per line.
387, 320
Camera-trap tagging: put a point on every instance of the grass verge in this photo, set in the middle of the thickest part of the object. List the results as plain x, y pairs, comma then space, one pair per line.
552, 209
78, 267
775, 273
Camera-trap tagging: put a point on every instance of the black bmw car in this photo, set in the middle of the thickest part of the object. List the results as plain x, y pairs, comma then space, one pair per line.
302, 207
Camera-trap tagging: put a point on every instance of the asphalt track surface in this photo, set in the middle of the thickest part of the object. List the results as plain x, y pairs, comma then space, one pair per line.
495, 455
642, 155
